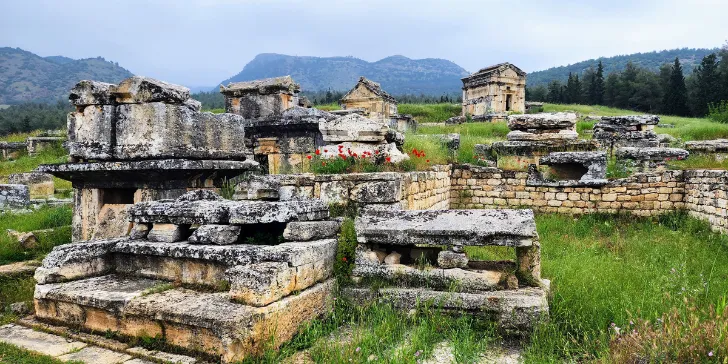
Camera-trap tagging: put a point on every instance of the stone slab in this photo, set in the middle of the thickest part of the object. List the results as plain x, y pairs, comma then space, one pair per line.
543, 121
96, 355
76, 260
18, 268
40, 342
140, 89
310, 230
707, 146
353, 128
651, 154
514, 310
448, 227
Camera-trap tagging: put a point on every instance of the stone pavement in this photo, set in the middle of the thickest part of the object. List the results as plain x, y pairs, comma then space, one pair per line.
71, 348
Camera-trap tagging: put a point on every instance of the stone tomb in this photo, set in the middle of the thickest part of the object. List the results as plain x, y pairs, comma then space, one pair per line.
41, 185
570, 169
717, 147
536, 135
420, 256
211, 276
648, 159
627, 131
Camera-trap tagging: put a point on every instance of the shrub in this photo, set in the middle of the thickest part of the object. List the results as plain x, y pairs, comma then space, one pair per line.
719, 112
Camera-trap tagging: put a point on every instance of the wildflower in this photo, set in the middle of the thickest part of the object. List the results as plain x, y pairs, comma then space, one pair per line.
323, 163
343, 259
710, 353
326, 150
428, 161
318, 152
418, 352
376, 152
358, 349
389, 159
309, 157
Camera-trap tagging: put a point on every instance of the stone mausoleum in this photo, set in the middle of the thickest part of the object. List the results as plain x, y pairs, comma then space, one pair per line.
493, 92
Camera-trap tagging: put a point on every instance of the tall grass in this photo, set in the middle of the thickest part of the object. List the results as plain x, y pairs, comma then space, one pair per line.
609, 269
57, 218
430, 113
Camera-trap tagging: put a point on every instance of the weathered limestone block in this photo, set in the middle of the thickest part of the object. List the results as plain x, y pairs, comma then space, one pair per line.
396, 137
168, 233
112, 222
40, 185
631, 120
262, 283
471, 280
91, 93
707, 146
90, 132
542, 121
26, 239
526, 136
456, 120
74, 261
215, 234
449, 259
385, 152
140, 231
651, 154
528, 259
310, 230
514, 310
139, 89
12, 150
255, 212
14, 196
447, 227
392, 258
159, 130
377, 192
353, 128
570, 169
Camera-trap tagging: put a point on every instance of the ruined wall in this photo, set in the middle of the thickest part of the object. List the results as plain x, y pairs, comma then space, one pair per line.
706, 196
641, 194
421, 190
703, 193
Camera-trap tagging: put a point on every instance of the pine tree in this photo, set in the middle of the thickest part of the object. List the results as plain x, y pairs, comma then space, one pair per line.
723, 72
675, 100
707, 85
611, 88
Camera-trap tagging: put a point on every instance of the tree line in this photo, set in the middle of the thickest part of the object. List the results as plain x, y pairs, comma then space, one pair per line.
23, 118
667, 91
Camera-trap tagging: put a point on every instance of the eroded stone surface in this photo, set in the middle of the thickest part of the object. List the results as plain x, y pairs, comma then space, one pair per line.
88, 92
96, 355
466, 280
74, 261
40, 342
215, 234
353, 128
542, 121
448, 227
707, 146
310, 230
651, 154
449, 259
168, 233
139, 89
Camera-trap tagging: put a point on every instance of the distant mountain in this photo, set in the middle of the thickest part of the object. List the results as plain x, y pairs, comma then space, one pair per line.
689, 57
25, 76
398, 75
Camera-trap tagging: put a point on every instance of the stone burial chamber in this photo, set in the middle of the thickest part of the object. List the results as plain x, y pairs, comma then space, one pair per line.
627, 131
142, 140
569, 169
533, 136
421, 257
214, 277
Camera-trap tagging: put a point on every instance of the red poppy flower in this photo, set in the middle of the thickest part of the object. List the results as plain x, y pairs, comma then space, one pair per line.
389, 159
318, 152
326, 150
343, 259
428, 161
308, 156
376, 152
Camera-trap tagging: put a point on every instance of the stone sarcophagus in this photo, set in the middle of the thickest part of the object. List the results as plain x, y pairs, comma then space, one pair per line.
627, 131
215, 277
421, 257
144, 118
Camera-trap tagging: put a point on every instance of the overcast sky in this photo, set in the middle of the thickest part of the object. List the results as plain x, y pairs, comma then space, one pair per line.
202, 42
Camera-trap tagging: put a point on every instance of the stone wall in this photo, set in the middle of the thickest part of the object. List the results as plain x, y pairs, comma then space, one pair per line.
702, 192
420, 190
14, 196
706, 196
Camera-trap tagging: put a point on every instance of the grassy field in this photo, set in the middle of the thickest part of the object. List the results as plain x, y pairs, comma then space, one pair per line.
26, 163
57, 218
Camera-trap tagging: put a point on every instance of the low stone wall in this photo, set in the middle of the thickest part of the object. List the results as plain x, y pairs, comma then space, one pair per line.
420, 190
41, 185
701, 192
14, 196
706, 196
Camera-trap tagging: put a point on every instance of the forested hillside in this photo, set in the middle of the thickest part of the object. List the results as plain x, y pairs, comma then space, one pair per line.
652, 61
27, 77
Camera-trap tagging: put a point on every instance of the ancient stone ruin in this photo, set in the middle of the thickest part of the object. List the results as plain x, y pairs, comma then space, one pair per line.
368, 99
536, 135
492, 92
650, 158
717, 147
142, 140
570, 169
215, 277
420, 256
261, 98
627, 131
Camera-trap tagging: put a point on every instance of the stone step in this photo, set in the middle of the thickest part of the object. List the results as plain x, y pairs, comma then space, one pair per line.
200, 322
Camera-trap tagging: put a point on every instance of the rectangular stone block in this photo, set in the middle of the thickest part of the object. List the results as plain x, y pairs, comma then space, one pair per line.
90, 132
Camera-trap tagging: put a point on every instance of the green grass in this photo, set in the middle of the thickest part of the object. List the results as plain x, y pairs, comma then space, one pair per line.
19, 137
58, 218
613, 269
470, 134
13, 355
430, 113
14, 289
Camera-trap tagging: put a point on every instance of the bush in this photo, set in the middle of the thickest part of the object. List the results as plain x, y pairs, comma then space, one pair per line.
344, 263
718, 112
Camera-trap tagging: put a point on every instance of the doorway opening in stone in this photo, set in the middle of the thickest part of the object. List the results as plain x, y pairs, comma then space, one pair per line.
508, 102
